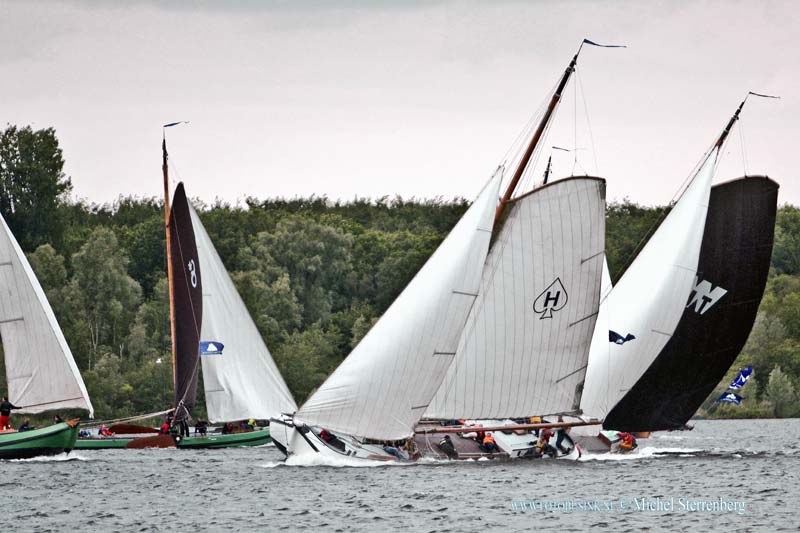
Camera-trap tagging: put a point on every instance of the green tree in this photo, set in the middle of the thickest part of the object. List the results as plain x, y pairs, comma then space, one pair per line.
32, 185
106, 297
781, 393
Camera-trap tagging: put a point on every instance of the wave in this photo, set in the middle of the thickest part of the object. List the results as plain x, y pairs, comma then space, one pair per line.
60, 458
645, 452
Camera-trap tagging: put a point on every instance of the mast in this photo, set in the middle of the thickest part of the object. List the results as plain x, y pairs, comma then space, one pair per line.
165, 171
537, 135
731, 122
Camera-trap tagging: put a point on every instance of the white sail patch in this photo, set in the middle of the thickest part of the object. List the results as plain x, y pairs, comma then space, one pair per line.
704, 296
384, 386
41, 372
244, 382
526, 344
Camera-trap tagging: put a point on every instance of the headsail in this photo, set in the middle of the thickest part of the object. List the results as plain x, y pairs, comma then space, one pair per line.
525, 348
385, 385
649, 299
42, 374
243, 381
187, 292
717, 319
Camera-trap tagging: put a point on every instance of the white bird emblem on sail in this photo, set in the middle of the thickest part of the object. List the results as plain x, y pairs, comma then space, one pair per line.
704, 296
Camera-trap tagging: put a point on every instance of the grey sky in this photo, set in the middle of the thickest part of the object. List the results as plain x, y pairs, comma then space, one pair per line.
421, 99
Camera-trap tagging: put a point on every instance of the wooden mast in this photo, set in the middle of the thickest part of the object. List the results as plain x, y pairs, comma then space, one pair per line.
537, 135
164, 169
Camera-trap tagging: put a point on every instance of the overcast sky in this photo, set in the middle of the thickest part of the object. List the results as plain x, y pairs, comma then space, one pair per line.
417, 98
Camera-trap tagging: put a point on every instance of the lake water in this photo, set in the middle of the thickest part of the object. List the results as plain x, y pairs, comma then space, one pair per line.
751, 468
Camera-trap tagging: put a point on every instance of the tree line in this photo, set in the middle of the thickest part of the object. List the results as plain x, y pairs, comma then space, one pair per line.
314, 273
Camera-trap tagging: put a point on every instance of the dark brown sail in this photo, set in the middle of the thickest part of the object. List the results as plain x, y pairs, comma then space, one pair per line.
187, 291
732, 273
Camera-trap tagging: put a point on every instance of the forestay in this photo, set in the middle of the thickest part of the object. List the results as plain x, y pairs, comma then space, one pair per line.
42, 374
242, 382
526, 344
648, 301
384, 386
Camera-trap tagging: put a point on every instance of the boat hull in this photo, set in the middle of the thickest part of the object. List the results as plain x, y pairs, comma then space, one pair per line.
101, 444
50, 440
304, 444
258, 437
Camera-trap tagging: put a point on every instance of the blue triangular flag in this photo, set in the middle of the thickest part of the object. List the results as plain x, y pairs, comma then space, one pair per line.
211, 348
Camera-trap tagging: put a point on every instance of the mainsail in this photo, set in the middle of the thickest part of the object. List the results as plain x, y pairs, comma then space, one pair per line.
187, 300
242, 382
385, 385
717, 319
42, 374
649, 299
526, 344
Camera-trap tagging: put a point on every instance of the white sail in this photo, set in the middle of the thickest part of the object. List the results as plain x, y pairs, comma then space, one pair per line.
384, 386
648, 301
525, 348
242, 382
41, 372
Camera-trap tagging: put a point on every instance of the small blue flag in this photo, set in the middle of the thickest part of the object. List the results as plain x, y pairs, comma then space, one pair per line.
211, 348
616, 338
730, 397
741, 379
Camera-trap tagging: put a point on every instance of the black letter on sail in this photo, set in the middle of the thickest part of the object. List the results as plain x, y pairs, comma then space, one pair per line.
552, 299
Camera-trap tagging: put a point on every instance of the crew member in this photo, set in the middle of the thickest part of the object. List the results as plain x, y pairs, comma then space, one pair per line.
488, 445
5, 413
628, 441
26, 425
447, 446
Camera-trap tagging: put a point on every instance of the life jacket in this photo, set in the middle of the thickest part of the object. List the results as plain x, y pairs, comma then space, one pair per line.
487, 439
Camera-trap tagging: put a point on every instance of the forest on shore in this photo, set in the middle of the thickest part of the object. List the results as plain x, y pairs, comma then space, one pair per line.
314, 273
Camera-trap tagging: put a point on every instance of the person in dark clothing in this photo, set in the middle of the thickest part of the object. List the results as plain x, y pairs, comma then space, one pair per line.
26, 426
447, 446
184, 427
333, 440
488, 445
201, 427
5, 413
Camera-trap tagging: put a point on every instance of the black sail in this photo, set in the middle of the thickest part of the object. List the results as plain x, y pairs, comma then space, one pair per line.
732, 273
187, 301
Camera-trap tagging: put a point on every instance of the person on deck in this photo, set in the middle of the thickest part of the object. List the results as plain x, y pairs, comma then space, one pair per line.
26, 426
164, 429
201, 427
488, 445
391, 449
5, 413
628, 442
561, 435
447, 446
104, 431
333, 440
543, 446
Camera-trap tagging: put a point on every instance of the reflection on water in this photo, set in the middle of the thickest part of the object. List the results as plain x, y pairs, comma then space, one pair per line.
756, 462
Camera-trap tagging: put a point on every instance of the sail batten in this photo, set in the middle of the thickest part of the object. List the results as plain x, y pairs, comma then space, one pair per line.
40, 369
243, 382
526, 343
382, 388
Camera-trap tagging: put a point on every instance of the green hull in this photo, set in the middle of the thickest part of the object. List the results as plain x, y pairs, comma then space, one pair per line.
51, 440
258, 437
100, 444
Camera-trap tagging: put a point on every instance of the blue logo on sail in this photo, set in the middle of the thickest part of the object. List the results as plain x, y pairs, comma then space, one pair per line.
730, 397
741, 379
616, 338
211, 348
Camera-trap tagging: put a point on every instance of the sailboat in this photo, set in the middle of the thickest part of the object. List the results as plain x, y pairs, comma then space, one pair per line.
458, 315
240, 378
682, 326
41, 371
